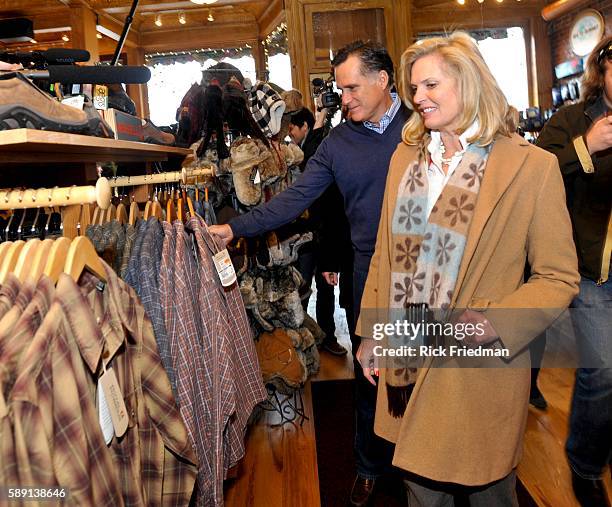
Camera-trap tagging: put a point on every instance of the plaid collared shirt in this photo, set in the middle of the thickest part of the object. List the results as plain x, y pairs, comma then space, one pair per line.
8, 293
55, 422
13, 342
158, 460
387, 118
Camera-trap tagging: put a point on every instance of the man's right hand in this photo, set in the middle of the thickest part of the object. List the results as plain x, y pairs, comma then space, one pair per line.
330, 278
223, 232
599, 136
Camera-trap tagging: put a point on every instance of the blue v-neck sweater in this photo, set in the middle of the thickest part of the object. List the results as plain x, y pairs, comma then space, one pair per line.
354, 157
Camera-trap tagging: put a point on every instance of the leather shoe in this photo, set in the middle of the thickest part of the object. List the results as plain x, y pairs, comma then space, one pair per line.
589, 492
536, 398
334, 348
362, 491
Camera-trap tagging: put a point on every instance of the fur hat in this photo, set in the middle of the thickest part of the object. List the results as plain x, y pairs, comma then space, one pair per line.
293, 100
292, 153
248, 191
278, 359
274, 167
246, 153
266, 106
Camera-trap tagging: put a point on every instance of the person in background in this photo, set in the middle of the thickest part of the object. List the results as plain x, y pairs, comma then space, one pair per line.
467, 202
355, 155
580, 135
308, 134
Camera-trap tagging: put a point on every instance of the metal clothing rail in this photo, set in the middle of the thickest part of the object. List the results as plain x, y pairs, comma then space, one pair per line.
57, 196
152, 179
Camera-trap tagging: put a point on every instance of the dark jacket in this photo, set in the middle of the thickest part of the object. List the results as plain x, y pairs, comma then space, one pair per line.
589, 196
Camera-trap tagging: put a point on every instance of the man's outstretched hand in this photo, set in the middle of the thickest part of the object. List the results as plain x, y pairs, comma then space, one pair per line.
223, 232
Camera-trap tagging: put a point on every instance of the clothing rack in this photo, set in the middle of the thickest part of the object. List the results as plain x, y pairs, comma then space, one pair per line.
57, 196
152, 179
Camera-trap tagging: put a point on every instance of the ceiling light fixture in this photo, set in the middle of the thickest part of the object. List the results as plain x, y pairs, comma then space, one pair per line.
210, 16
98, 35
158, 20
181, 18
65, 38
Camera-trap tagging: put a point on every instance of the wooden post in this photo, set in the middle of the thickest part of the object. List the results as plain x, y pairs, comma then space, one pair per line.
261, 60
138, 93
541, 64
83, 34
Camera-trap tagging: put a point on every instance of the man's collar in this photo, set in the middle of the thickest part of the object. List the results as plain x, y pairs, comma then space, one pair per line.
596, 109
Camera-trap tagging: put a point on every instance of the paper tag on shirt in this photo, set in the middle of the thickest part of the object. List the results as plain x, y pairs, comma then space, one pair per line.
104, 417
225, 268
116, 405
100, 98
257, 178
76, 101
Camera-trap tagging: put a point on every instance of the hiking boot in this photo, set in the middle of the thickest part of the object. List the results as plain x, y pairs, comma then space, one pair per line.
23, 105
154, 135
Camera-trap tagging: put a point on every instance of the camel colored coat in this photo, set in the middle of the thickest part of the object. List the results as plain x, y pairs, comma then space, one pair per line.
466, 425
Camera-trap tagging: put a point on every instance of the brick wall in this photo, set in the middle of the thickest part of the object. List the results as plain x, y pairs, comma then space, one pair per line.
559, 30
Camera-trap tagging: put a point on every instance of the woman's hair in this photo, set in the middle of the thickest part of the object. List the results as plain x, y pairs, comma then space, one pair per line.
480, 96
593, 80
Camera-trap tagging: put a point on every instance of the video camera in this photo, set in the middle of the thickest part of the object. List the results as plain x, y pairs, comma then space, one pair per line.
325, 89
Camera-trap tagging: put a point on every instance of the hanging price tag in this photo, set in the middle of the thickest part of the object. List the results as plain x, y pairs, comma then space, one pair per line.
76, 101
104, 417
225, 268
100, 98
116, 405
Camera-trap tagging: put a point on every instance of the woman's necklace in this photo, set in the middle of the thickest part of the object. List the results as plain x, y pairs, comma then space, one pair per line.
447, 161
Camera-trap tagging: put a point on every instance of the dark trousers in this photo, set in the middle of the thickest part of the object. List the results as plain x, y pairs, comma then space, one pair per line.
373, 454
425, 493
326, 304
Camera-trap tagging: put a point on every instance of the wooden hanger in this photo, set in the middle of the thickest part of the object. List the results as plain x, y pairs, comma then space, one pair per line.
96, 215
192, 212
82, 255
109, 214
134, 212
40, 258
3, 249
171, 214
23, 268
57, 258
121, 216
156, 210
10, 259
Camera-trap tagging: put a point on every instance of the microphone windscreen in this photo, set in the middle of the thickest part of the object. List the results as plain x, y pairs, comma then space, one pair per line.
98, 74
64, 56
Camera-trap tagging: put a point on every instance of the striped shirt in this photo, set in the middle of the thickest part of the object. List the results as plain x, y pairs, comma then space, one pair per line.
387, 118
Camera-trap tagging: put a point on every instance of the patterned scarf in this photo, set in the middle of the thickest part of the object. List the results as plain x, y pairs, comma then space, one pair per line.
426, 255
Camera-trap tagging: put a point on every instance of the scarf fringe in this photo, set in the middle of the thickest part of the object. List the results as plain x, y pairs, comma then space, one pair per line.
397, 399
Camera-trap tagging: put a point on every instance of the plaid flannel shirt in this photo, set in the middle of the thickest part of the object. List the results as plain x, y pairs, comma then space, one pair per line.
8, 293
13, 343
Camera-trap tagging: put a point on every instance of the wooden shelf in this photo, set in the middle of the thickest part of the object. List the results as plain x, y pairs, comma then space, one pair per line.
38, 146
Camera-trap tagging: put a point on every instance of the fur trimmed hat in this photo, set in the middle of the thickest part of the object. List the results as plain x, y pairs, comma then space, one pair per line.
266, 106
293, 100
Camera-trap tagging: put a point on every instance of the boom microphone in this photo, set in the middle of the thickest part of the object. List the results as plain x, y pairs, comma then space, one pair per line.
97, 74
50, 56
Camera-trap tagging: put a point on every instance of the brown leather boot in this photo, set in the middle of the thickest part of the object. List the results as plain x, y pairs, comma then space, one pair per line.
23, 105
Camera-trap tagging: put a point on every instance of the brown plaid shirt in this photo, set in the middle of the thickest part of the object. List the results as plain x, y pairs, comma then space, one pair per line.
8, 293
156, 461
55, 422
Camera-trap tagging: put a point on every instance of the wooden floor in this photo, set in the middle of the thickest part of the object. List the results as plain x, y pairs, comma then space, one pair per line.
544, 471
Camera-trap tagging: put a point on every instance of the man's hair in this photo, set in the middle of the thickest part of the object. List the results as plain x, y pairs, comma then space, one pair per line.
374, 57
480, 96
303, 115
593, 80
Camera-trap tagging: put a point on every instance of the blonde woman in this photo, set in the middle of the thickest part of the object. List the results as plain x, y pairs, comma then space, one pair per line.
467, 203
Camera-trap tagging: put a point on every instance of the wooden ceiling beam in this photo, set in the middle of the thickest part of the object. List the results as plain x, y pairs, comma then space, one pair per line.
115, 26
216, 35
271, 18
123, 7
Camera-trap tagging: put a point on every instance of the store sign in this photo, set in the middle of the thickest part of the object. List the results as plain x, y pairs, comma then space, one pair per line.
587, 31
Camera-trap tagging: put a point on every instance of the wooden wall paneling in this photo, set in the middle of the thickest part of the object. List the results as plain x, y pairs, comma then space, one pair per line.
83, 35
138, 93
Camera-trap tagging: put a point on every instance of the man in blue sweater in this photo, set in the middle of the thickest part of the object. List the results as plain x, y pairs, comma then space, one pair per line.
355, 155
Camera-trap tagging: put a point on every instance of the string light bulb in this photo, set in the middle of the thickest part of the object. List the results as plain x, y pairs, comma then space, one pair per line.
158, 20
65, 38
181, 18
210, 16
98, 35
